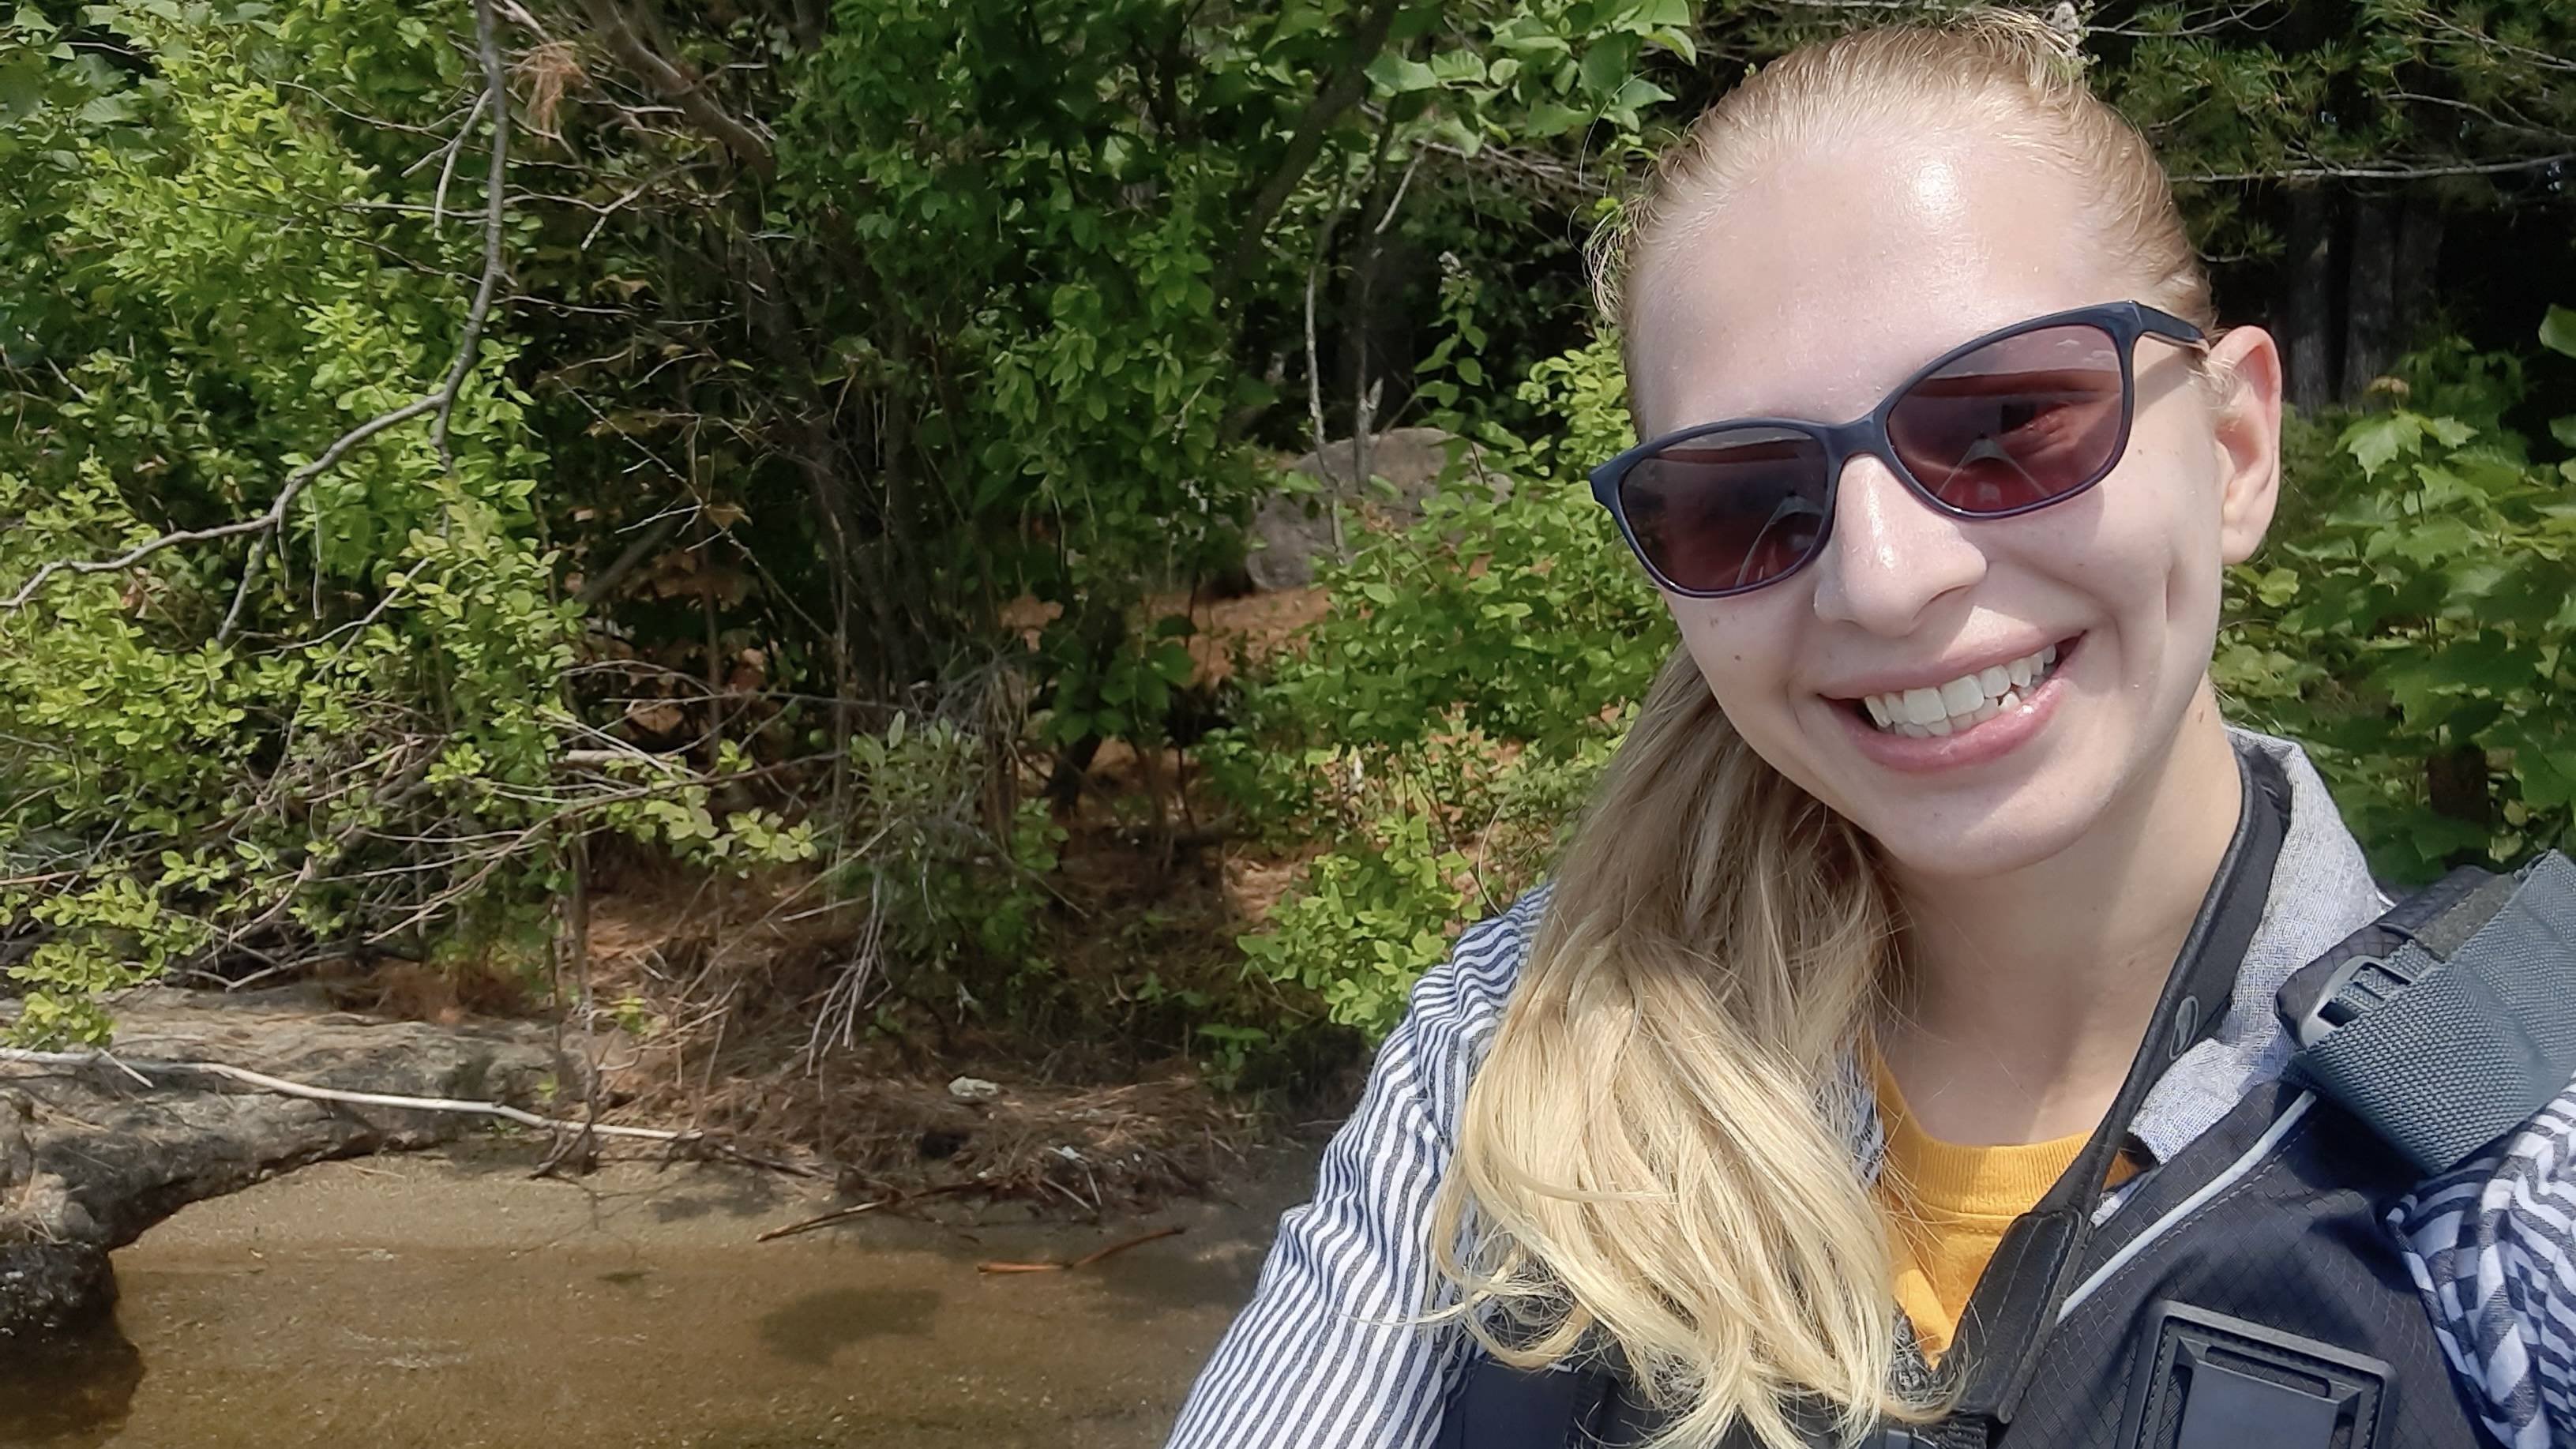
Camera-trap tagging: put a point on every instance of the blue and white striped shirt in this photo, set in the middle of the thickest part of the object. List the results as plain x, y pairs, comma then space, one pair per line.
1326, 1357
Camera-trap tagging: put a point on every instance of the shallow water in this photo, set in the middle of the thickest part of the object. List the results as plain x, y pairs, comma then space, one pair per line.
450, 1301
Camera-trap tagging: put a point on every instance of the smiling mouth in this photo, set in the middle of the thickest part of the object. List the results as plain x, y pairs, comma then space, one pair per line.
1963, 703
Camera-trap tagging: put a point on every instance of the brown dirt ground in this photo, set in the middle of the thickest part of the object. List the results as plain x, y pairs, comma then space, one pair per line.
704, 998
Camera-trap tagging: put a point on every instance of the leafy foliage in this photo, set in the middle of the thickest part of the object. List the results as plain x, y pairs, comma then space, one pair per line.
1446, 718
1126, 192
375, 758
2411, 621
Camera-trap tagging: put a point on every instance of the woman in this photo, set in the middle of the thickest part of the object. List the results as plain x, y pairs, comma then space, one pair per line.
1931, 909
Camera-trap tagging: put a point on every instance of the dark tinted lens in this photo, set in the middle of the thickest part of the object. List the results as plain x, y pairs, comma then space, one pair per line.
2019, 421
1728, 510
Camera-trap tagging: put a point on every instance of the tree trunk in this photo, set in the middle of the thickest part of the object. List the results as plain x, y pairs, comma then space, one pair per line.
2370, 295
2419, 258
2307, 334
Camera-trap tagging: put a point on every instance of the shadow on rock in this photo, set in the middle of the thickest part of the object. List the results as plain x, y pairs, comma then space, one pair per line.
70, 1393
813, 1328
50, 1290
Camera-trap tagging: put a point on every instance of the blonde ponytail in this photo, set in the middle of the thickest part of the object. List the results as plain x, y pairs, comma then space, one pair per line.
1656, 1149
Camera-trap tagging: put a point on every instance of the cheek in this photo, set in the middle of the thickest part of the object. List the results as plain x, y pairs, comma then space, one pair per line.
1738, 645
2145, 541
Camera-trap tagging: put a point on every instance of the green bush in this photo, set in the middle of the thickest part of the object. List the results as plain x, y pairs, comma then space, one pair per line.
1443, 722
354, 734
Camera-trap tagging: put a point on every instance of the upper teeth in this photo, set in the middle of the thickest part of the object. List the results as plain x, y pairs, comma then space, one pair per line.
1967, 700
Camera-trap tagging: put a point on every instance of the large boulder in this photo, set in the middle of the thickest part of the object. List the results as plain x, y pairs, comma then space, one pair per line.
92, 1156
1292, 529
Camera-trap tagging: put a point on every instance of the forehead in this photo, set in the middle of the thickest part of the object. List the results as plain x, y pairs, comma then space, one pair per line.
1831, 273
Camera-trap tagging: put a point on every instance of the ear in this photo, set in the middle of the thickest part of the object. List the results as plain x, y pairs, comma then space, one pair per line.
2246, 364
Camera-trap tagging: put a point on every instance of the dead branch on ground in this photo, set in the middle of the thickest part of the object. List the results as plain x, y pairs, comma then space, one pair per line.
1085, 1261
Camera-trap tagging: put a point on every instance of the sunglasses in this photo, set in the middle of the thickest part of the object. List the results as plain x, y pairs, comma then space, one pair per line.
2018, 419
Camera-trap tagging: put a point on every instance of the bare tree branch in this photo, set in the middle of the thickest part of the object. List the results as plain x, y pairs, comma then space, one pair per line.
442, 403
680, 88
447, 168
496, 89
295, 482
2384, 173
1347, 86
2541, 58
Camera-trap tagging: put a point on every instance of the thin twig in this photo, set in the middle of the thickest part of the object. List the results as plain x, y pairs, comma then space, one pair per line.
1085, 1261
842, 1215
2384, 173
447, 168
1314, 359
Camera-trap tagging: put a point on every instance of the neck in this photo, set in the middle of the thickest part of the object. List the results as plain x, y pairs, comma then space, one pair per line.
2029, 991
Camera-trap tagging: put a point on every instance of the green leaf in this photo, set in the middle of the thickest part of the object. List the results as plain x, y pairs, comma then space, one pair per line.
1458, 67
1398, 75
1636, 92
22, 87
1607, 62
113, 110
2558, 330
2374, 441
1549, 118
2451, 431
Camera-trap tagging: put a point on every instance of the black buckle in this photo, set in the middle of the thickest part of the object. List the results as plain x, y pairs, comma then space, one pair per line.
2216, 1382
2356, 984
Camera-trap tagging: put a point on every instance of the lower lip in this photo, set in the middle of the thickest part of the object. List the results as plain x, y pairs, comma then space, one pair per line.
1974, 745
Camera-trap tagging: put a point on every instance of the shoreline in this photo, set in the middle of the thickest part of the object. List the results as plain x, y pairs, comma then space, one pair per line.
445, 1297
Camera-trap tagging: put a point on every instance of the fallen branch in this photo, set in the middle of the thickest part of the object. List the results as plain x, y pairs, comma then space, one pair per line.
842, 1215
1085, 1261
137, 1068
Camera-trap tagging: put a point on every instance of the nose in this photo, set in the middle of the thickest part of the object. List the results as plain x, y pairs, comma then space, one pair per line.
1891, 557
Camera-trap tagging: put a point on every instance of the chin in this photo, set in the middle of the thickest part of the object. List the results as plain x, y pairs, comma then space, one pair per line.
1993, 848
1971, 834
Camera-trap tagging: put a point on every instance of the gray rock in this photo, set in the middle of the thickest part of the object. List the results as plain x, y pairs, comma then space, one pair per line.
51, 1290
90, 1157
1291, 530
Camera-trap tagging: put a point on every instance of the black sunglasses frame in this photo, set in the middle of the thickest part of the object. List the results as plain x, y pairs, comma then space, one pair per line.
2125, 322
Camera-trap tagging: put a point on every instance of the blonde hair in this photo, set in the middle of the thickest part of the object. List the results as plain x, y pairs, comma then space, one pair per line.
1655, 1162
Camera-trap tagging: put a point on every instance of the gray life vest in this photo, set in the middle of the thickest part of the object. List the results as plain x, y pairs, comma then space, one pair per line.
2247, 1294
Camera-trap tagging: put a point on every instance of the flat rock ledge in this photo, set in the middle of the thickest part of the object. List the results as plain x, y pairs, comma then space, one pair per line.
91, 1157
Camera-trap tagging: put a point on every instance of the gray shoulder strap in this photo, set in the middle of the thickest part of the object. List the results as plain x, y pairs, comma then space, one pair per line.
2450, 1020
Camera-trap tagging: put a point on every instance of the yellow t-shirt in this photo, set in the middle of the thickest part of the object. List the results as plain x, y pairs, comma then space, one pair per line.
1948, 1206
